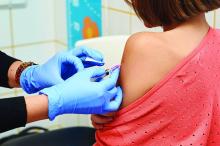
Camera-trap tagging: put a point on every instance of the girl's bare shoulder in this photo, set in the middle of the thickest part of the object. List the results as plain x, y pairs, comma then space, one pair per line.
145, 61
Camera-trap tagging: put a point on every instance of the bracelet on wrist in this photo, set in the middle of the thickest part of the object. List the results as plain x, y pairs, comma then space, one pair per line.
20, 69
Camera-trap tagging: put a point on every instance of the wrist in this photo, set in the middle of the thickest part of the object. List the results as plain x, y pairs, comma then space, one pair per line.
54, 102
12, 74
20, 69
27, 81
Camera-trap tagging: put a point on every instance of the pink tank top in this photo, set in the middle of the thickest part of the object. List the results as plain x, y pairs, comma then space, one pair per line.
183, 109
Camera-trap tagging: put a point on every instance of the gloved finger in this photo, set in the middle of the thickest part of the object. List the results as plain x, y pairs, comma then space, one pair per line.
112, 93
83, 52
98, 119
115, 104
94, 72
110, 82
75, 61
97, 126
112, 114
88, 64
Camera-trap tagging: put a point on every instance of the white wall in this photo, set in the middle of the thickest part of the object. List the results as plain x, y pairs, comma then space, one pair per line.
29, 33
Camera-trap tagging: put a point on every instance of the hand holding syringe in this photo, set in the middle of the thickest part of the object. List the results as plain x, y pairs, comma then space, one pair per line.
108, 72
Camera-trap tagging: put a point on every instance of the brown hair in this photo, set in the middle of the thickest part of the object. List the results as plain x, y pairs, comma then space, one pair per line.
168, 12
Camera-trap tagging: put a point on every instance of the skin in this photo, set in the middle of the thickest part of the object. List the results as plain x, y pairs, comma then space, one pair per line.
34, 113
149, 57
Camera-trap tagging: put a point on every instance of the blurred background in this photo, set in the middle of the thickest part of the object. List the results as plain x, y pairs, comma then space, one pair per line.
34, 30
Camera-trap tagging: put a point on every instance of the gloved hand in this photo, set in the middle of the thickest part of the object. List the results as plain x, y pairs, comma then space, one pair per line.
57, 69
79, 95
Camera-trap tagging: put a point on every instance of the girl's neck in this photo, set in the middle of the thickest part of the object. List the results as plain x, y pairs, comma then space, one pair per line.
198, 22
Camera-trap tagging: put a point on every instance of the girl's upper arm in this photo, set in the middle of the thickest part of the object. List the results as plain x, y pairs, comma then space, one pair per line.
147, 59
137, 67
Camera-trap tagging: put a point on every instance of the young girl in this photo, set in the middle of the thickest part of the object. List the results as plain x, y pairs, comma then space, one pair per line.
170, 80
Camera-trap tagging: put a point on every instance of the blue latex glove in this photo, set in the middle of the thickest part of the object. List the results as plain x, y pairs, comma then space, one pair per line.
79, 95
57, 69
84, 52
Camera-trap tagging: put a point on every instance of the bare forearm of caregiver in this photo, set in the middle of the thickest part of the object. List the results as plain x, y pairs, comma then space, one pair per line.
37, 108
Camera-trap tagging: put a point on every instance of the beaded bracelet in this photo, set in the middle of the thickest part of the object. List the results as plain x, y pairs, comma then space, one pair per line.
20, 69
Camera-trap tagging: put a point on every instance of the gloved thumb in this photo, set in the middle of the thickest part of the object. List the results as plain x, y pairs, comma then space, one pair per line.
94, 72
110, 82
83, 52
